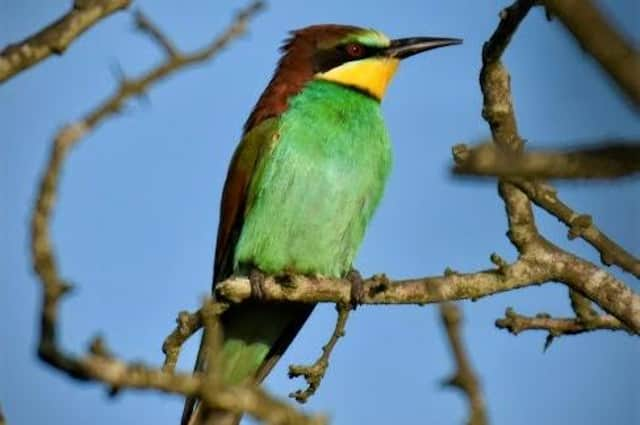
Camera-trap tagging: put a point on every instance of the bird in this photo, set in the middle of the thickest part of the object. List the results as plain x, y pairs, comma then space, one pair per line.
302, 186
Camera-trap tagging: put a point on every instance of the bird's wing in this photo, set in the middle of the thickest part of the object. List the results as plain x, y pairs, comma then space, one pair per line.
254, 148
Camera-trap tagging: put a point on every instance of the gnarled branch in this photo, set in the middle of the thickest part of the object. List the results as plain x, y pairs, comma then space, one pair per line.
313, 374
464, 378
606, 160
55, 38
557, 326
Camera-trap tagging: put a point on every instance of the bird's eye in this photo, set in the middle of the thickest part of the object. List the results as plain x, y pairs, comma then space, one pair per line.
354, 50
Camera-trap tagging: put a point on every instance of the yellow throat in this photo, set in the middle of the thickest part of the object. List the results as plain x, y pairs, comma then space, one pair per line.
371, 74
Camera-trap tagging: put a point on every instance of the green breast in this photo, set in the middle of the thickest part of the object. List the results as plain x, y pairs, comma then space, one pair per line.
312, 197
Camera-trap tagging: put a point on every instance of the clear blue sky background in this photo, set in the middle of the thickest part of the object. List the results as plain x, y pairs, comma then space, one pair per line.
138, 213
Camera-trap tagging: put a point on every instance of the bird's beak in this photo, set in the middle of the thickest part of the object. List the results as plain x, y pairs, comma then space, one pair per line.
404, 47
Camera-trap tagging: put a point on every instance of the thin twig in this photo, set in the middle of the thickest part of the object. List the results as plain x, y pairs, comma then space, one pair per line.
557, 326
187, 325
464, 377
55, 38
580, 225
145, 25
602, 41
313, 374
606, 160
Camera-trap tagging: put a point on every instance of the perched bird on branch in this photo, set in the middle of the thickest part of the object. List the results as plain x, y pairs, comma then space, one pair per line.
302, 186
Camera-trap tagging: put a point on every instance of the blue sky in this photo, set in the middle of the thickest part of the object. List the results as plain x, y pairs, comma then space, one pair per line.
138, 209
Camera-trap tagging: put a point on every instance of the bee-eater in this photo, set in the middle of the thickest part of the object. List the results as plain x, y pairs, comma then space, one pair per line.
303, 184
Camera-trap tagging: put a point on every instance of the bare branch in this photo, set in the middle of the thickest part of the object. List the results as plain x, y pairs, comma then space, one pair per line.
581, 306
606, 160
543, 263
3, 421
580, 225
557, 326
188, 324
464, 378
580, 275
55, 38
145, 25
378, 289
602, 41
134, 87
313, 374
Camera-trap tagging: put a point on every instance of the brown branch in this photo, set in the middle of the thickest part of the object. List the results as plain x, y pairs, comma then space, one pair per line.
379, 290
543, 263
580, 225
313, 374
55, 38
3, 421
188, 324
99, 364
580, 275
602, 41
606, 160
464, 378
145, 25
133, 87
557, 326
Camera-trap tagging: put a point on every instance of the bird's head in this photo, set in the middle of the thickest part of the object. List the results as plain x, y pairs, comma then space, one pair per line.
364, 59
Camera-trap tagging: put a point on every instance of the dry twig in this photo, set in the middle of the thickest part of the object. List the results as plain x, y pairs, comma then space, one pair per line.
187, 325
55, 38
464, 378
313, 374
557, 326
580, 225
606, 160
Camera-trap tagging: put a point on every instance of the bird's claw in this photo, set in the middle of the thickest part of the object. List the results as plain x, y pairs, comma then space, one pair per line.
256, 279
357, 288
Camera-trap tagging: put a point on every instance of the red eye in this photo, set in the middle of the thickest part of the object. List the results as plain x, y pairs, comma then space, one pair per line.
354, 50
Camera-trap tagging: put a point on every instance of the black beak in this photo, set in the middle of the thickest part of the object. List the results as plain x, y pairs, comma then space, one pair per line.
404, 47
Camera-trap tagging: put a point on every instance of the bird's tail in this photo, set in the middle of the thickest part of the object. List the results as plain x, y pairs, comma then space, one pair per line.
254, 338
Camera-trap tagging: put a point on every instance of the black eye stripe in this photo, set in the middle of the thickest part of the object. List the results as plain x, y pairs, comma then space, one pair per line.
327, 59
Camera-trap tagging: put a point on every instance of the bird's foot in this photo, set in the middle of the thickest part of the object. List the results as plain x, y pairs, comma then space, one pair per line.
256, 279
357, 288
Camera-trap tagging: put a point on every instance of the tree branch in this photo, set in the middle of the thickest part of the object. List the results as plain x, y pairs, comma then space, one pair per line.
580, 275
580, 225
602, 41
188, 324
607, 160
557, 326
542, 264
55, 38
313, 374
464, 378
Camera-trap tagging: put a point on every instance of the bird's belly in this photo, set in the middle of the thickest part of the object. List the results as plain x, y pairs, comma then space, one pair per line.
310, 216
